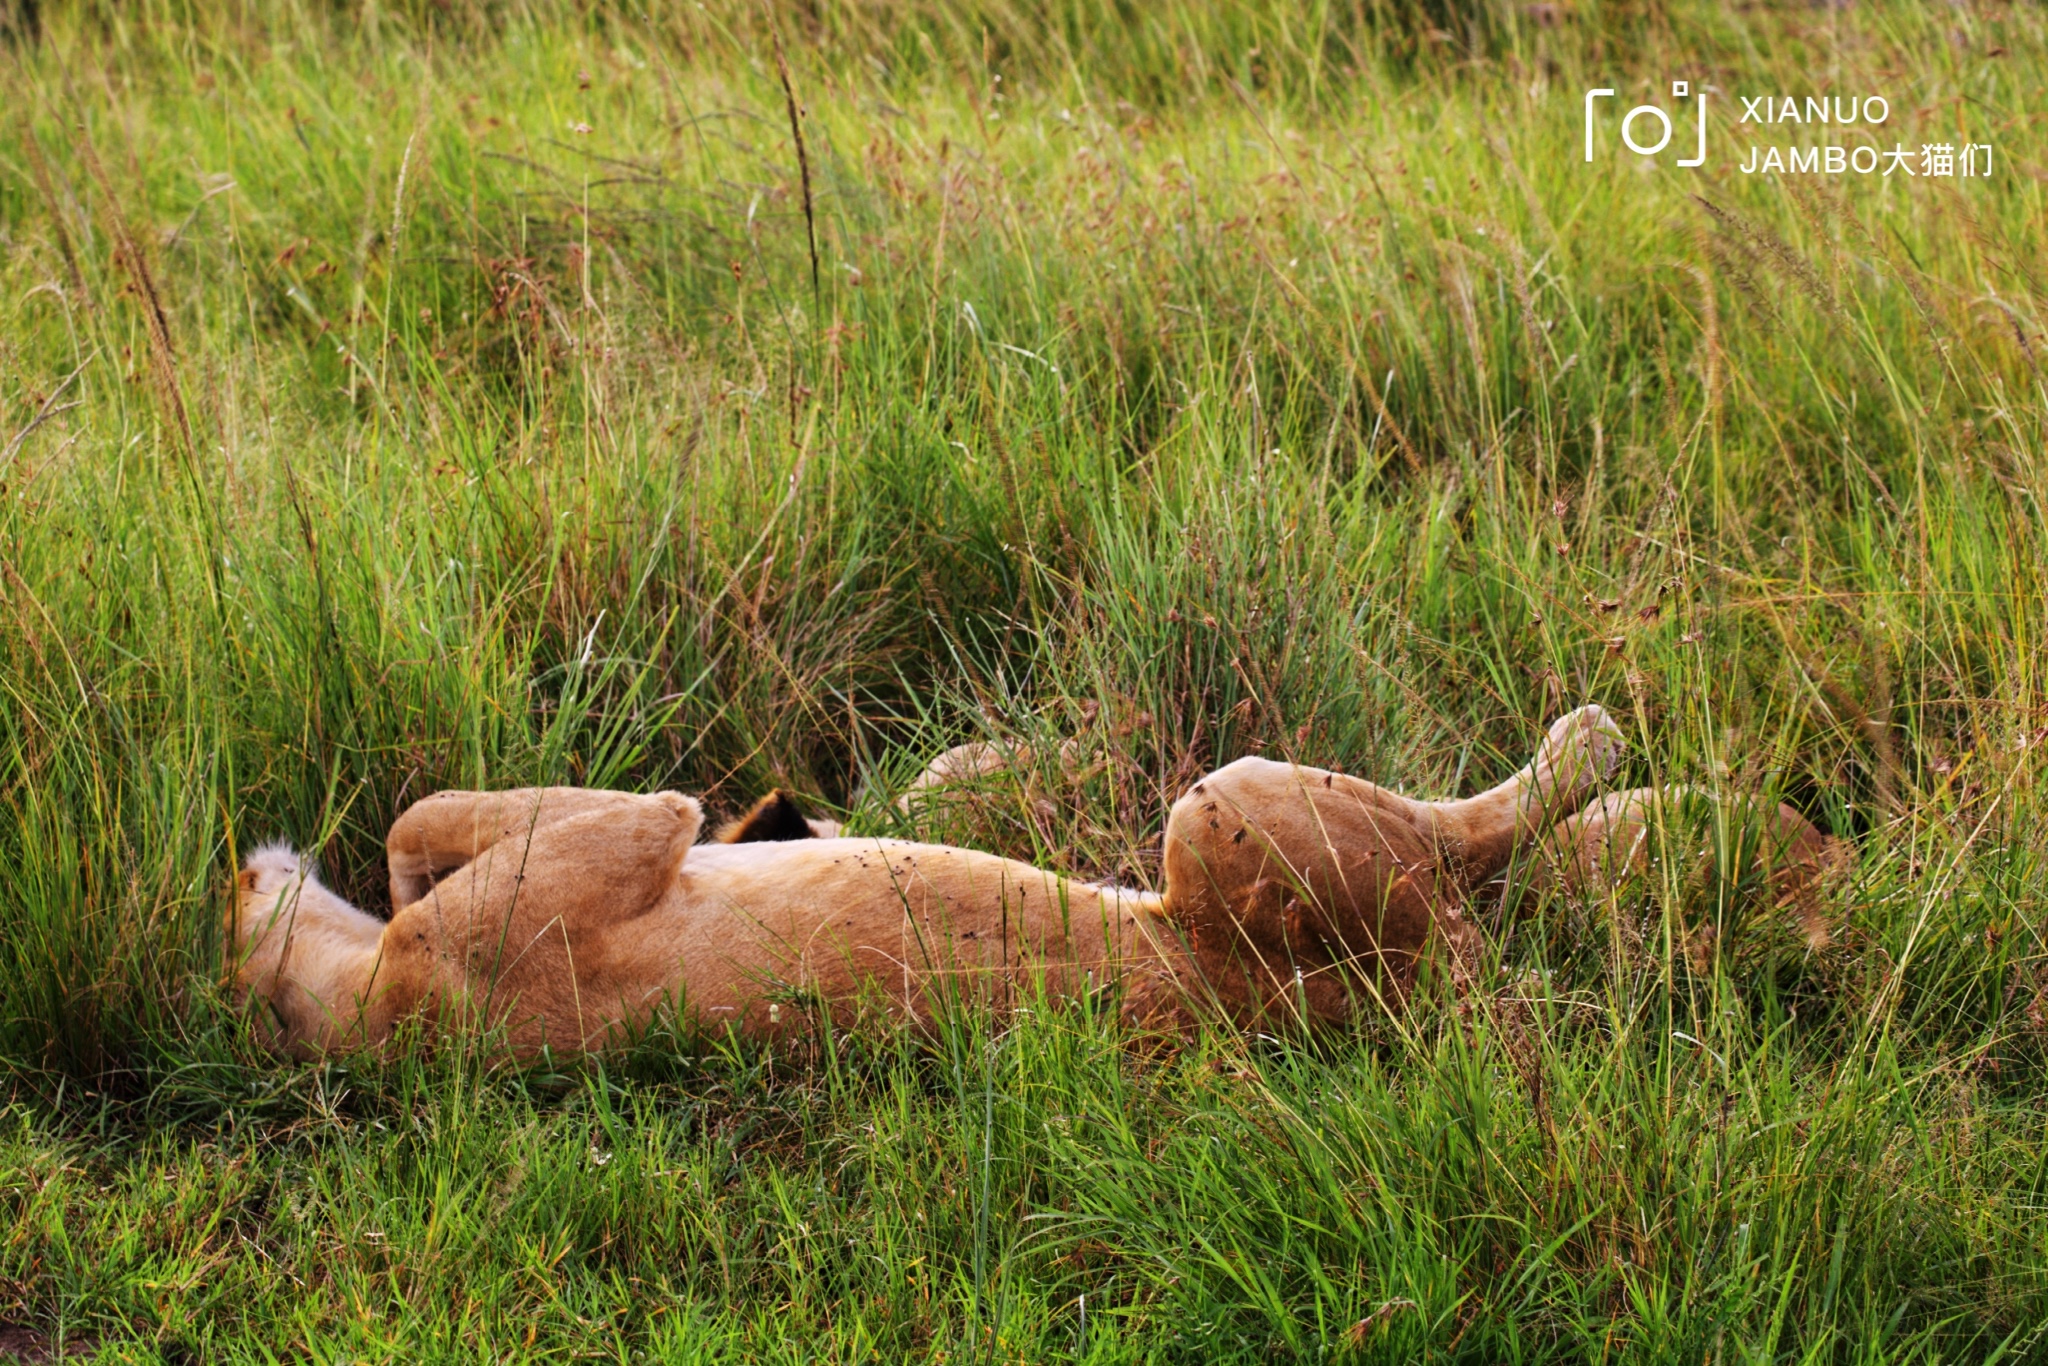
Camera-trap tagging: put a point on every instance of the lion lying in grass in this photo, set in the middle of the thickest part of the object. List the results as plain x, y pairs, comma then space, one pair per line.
562, 915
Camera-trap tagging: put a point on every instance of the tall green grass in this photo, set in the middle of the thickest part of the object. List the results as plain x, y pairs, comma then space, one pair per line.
1195, 380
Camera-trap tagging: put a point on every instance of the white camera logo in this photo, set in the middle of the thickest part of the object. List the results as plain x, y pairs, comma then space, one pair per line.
1654, 114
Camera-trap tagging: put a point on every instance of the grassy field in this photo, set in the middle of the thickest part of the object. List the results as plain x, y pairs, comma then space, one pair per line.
399, 396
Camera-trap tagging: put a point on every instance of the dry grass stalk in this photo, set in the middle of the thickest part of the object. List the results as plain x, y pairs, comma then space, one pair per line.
163, 360
39, 171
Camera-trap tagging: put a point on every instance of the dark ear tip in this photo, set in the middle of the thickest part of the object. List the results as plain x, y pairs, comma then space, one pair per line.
777, 816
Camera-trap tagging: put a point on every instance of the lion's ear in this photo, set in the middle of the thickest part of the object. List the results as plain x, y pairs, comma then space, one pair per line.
776, 816
246, 879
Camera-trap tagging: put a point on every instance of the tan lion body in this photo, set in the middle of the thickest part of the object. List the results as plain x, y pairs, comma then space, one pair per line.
610, 909
1613, 839
562, 914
